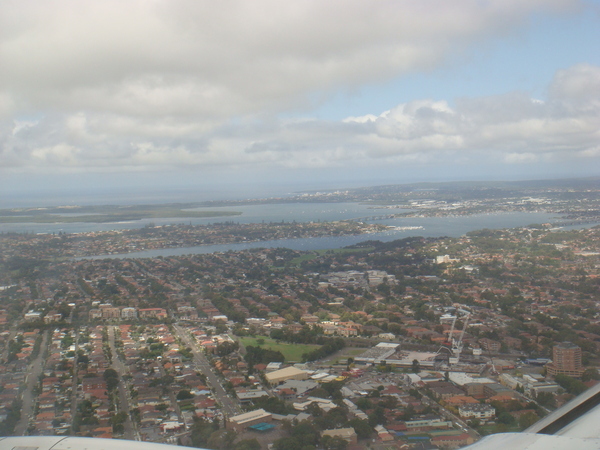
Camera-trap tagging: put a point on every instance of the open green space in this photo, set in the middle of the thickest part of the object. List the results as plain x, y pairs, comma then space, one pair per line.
291, 352
342, 356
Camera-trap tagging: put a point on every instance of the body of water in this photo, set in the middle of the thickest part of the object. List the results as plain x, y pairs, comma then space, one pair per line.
453, 226
431, 227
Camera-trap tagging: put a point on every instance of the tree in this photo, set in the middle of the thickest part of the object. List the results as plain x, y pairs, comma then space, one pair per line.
363, 403
334, 443
110, 373
334, 418
374, 394
377, 417
546, 399
590, 374
201, 432
255, 355
273, 405
408, 413
226, 348
475, 423
416, 394
526, 420
111, 377
416, 367
361, 427
570, 384
303, 435
247, 444
287, 443
184, 394
506, 418
314, 410
221, 439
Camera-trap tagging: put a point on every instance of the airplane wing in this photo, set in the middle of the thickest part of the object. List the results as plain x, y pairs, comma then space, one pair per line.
575, 425
78, 443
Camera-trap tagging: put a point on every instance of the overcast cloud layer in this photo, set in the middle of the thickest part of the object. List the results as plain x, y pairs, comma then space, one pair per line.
144, 85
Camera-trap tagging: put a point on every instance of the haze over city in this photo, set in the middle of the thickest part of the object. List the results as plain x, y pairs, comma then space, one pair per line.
108, 98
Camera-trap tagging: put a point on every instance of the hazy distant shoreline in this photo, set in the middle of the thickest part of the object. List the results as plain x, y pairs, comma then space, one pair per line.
105, 214
573, 199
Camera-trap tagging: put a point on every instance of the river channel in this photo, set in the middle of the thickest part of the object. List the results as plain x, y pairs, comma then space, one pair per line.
453, 226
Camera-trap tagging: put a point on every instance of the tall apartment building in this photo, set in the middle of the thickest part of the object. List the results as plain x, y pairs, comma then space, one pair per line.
566, 360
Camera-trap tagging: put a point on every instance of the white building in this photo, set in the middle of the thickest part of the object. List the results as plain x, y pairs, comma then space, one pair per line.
476, 411
32, 316
323, 403
444, 259
129, 313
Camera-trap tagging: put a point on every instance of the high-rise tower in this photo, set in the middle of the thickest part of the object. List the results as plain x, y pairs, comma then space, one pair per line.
566, 360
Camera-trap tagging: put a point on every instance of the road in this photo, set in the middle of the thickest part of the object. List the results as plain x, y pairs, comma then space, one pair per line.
35, 370
74, 389
130, 432
229, 406
172, 397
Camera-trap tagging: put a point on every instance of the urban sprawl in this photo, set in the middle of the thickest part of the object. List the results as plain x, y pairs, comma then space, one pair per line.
415, 343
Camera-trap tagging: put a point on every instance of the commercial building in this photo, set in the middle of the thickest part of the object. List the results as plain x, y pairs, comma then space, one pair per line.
427, 423
348, 434
251, 395
289, 373
451, 442
388, 353
241, 422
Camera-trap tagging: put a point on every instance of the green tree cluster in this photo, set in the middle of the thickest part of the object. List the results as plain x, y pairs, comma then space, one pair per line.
111, 377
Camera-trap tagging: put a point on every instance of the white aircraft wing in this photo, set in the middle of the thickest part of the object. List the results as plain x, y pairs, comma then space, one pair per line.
78, 443
575, 425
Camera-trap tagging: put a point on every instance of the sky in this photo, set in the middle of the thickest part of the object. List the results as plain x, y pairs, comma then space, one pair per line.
245, 97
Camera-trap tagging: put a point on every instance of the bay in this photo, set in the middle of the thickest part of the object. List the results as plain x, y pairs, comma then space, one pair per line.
453, 226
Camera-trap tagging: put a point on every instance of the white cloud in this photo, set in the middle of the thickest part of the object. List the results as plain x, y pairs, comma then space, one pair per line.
578, 87
512, 128
187, 83
520, 158
190, 57
60, 154
20, 125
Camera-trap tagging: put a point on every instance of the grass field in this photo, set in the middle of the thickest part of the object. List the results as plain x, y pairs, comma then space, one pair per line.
342, 356
291, 352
